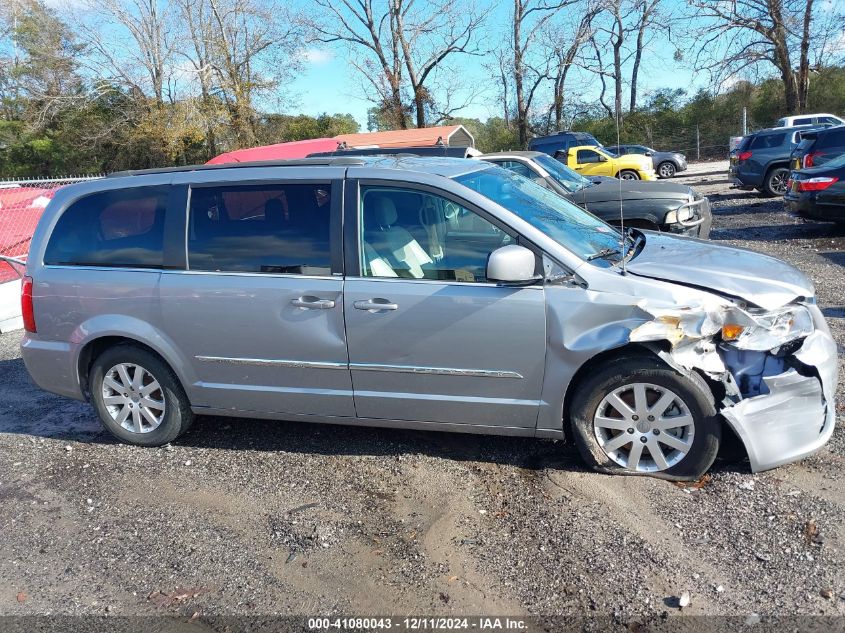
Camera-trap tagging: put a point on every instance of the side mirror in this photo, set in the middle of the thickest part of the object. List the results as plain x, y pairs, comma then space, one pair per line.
512, 264
649, 153
602, 159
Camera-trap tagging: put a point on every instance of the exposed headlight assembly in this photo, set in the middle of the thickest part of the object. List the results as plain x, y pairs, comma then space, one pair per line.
684, 214
770, 329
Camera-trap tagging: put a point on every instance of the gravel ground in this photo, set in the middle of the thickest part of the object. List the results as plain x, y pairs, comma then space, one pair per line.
253, 517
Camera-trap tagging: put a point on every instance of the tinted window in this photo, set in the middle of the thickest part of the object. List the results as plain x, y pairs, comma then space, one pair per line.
418, 235
122, 228
832, 138
804, 121
278, 229
768, 140
588, 156
829, 119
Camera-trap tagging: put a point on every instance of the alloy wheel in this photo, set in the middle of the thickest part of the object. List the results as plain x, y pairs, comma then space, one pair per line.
667, 170
778, 181
644, 427
133, 398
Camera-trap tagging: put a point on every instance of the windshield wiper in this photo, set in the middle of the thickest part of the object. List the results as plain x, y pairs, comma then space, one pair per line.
604, 253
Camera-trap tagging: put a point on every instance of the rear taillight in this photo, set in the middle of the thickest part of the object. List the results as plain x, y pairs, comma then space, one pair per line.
27, 312
744, 156
816, 184
810, 159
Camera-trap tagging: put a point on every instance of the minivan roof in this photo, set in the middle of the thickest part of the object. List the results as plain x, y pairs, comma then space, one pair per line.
439, 165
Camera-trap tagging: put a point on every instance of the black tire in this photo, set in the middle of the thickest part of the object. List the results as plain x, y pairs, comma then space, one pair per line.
666, 169
628, 174
775, 182
692, 391
177, 415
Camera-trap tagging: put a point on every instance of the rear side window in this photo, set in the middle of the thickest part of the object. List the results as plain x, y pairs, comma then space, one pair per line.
122, 228
273, 229
803, 121
767, 140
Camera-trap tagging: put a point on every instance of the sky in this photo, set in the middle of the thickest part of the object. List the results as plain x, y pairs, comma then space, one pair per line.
329, 82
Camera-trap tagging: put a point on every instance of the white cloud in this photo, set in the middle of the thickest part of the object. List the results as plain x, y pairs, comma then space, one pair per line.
317, 56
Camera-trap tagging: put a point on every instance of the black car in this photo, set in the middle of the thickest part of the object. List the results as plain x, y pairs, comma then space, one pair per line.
818, 193
660, 206
817, 147
560, 142
761, 160
666, 164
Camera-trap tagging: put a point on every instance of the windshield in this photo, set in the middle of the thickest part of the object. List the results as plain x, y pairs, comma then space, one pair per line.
580, 232
569, 179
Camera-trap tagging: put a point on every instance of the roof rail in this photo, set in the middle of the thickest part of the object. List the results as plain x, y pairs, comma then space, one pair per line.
338, 161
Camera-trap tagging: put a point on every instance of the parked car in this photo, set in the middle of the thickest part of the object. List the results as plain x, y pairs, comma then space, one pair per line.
425, 293
560, 142
822, 118
818, 193
659, 206
761, 160
817, 147
666, 164
595, 161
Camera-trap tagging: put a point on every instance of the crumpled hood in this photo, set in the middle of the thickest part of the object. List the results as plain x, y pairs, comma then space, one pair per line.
759, 279
608, 191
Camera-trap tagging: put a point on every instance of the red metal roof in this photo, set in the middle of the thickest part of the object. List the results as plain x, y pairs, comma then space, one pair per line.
294, 149
414, 137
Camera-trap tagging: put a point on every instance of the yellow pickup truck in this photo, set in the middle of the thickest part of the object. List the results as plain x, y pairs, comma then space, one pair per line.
590, 160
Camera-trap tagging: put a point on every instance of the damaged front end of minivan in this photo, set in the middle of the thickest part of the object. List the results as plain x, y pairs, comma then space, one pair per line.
775, 370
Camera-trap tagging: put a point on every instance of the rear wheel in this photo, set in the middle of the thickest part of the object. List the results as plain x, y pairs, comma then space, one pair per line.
138, 397
638, 416
628, 174
666, 169
775, 183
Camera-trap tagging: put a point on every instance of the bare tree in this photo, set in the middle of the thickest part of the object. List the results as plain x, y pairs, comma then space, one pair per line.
143, 60
647, 17
528, 21
749, 35
566, 45
407, 43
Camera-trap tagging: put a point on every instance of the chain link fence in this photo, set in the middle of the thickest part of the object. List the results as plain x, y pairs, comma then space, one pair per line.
21, 204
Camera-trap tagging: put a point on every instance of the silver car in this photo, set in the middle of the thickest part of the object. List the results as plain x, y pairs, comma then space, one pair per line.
425, 293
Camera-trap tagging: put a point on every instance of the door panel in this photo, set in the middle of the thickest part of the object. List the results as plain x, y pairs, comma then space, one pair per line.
444, 346
259, 314
458, 353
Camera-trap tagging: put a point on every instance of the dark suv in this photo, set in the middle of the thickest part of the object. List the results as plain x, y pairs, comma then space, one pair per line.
817, 147
559, 143
761, 160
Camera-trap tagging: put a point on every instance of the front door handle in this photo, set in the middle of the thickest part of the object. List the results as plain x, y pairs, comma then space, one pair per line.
313, 303
374, 305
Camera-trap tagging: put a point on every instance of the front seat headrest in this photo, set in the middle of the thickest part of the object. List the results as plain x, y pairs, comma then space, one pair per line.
384, 211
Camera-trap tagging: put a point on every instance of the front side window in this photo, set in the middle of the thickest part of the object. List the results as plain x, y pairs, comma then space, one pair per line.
572, 227
414, 234
273, 229
588, 156
122, 228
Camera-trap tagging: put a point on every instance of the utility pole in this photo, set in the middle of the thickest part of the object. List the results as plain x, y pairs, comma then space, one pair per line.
697, 142
744, 120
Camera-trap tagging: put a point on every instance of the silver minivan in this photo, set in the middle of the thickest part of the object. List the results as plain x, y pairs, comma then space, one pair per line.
425, 293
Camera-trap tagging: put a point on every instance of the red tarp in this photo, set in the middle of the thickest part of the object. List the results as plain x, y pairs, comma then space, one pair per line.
20, 210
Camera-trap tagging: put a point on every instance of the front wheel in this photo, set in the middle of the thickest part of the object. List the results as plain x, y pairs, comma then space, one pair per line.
776, 179
638, 416
628, 174
666, 170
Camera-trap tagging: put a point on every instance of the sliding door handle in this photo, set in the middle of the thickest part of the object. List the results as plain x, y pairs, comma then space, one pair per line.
375, 305
313, 303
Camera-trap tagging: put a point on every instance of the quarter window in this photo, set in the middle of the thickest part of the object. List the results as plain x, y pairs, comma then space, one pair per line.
121, 228
274, 229
417, 235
